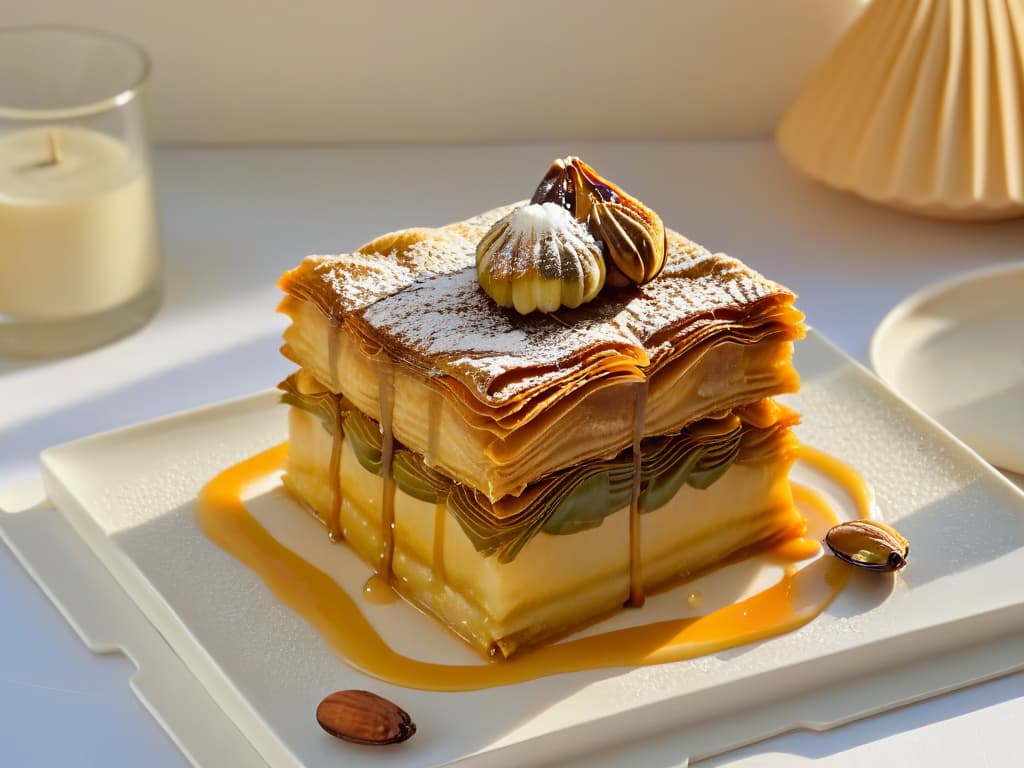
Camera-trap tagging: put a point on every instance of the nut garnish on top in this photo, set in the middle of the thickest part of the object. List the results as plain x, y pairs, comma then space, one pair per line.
579, 232
539, 257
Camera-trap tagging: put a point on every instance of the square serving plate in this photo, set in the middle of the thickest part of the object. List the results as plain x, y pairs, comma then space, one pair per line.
954, 616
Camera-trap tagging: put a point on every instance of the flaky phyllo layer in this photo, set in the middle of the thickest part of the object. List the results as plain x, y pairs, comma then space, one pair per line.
707, 335
518, 570
516, 476
572, 499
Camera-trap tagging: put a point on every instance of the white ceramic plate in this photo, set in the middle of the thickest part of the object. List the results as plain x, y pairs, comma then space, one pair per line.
956, 350
130, 494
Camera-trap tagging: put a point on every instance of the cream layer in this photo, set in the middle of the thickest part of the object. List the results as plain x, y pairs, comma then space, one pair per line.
556, 582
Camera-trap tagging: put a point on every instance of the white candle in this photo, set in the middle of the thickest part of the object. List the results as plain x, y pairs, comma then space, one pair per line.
77, 236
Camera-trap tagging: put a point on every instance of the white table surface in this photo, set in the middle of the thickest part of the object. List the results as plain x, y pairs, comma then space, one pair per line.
234, 219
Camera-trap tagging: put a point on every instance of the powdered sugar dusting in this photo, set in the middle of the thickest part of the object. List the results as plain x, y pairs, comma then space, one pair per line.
423, 302
346, 283
449, 324
360, 276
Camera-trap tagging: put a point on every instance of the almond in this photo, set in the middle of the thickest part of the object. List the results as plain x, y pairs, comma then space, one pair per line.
364, 718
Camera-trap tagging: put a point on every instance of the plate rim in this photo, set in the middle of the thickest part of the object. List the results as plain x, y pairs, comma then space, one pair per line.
880, 349
913, 301
544, 740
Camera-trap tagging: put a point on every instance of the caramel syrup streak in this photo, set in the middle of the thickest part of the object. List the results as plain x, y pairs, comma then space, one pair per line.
337, 446
334, 472
636, 576
387, 452
440, 516
793, 601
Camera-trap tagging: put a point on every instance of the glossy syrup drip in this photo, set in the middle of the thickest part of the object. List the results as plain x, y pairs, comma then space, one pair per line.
334, 473
332, 356
636, 576
377, 590
440, 516
794, 600
849, 479
433, 428
434, 405
797, 549
387, 452
334, 531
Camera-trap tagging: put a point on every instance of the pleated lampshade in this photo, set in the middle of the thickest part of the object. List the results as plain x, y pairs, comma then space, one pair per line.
921, 107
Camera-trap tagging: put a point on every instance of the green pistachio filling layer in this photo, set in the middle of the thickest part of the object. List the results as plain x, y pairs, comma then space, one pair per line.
565, 502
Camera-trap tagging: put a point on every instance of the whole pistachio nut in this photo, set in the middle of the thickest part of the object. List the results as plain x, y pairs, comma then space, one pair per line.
635, 252
869, 544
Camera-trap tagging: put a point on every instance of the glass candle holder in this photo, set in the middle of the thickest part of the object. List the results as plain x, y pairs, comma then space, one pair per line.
79, 250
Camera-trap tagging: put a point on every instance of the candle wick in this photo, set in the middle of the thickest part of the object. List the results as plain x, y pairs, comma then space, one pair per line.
55, 154
55, 158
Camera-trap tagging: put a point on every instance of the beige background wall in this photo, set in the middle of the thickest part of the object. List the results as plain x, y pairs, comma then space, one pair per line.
343, 70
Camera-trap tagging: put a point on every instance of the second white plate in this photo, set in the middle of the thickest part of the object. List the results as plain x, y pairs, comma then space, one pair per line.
956, 350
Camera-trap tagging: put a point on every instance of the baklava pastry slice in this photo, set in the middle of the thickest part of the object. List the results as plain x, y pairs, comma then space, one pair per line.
524, 568
525, 420
706, 335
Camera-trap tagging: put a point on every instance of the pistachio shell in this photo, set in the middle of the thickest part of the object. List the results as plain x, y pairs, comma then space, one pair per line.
633, 236
539, 257
869, 544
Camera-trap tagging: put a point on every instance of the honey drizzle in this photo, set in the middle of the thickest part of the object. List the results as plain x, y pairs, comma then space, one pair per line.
387, 452
334, 531
855, 486
440, 516
433, 428
378, 590
794, 600
794, 550
434, 404
332, 357
636, 576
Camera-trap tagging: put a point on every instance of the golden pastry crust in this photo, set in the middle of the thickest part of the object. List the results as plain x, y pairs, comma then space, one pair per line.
518, 475
415, 293
519, 397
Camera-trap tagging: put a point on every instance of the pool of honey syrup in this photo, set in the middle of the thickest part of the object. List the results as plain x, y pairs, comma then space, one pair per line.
794, 600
